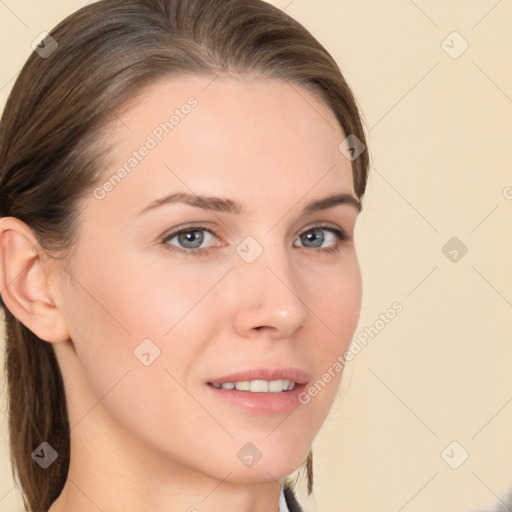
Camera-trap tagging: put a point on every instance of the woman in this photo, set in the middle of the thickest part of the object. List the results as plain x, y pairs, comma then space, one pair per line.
180, 183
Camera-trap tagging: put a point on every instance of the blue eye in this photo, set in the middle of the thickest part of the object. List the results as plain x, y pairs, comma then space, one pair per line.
316, 236
190, 239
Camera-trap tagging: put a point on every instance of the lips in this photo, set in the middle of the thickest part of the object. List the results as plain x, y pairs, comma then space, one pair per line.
256, 391
262, 400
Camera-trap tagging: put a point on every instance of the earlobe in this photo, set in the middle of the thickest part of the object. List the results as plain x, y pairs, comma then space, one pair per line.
24, 282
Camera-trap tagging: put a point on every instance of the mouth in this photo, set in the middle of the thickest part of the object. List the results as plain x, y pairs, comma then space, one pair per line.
258, 386
262, 380
261, 391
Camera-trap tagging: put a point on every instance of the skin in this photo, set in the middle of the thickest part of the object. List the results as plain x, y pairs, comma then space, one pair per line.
152, 437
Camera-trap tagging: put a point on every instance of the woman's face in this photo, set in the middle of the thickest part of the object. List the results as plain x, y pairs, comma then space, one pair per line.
267, 293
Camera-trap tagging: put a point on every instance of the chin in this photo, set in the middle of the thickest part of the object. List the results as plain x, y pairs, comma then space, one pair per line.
270, 463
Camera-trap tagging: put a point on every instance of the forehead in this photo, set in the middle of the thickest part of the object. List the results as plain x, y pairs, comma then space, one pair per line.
246, 138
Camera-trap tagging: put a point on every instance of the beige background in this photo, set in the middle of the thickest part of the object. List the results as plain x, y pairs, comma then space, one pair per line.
440, 131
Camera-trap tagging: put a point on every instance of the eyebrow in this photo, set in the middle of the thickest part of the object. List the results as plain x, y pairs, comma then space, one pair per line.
225, 205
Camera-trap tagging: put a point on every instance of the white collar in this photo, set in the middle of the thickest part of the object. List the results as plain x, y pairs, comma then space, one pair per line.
283, 507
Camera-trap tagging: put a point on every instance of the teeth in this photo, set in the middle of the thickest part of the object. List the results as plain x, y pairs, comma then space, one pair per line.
243, 386
276, 385
259, 386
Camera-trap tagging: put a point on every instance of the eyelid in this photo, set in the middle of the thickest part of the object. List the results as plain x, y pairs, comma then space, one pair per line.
188, 227
327, 225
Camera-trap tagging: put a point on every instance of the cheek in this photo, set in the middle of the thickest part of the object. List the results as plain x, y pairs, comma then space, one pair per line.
337, 303
155, 322
126, 318
141, 299
335, 299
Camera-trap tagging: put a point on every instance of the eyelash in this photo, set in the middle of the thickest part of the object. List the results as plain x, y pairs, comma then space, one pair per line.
340, 234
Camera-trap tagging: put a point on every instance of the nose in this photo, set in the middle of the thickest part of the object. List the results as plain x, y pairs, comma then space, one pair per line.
267, 296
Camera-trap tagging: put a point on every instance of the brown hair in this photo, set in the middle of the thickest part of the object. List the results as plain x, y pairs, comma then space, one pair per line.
98, 59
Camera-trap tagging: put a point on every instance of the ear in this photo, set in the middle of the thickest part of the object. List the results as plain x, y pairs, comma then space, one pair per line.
24, 271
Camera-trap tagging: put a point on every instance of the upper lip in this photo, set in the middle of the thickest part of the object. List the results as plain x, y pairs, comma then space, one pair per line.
292, 374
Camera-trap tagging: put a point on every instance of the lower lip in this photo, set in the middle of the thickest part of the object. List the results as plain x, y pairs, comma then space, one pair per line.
269, 404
